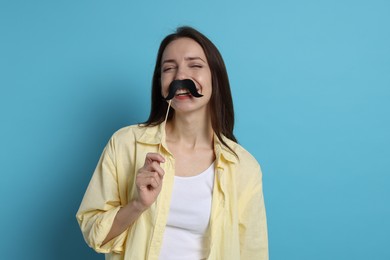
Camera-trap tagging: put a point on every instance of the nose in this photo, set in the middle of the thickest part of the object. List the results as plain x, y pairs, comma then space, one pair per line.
181, 73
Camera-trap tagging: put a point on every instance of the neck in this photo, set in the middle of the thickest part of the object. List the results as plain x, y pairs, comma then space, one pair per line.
192, 131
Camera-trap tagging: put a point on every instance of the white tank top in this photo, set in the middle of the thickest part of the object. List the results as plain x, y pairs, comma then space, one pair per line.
186, 233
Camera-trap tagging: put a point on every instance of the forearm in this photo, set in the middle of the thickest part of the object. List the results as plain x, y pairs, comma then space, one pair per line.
148, 181
125, 217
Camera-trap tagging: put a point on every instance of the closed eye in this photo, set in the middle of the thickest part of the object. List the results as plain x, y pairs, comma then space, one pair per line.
166, 69
196, 66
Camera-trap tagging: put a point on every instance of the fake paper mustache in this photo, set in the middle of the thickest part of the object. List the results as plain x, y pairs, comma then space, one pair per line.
182, 84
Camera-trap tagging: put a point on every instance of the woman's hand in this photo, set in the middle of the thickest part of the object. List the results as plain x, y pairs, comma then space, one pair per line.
149, 180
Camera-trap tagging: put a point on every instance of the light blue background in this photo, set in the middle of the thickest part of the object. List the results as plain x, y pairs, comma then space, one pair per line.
310, 81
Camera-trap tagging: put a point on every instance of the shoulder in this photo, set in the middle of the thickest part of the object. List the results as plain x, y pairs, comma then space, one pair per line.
247, 175
127, 137
247, 171
131, 131
248, 164
243, 157
136, 132
124, 142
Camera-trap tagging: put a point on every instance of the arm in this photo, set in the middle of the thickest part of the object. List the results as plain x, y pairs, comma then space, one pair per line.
149, 183
125, 217
252, 219
102, 217
100, 204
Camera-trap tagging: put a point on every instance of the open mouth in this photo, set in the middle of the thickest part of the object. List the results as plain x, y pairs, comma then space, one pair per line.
184, 94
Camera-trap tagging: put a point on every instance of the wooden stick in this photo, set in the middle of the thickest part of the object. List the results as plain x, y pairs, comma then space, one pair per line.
165, 123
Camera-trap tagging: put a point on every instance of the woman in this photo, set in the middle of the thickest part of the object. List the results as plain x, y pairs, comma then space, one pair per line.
183, 189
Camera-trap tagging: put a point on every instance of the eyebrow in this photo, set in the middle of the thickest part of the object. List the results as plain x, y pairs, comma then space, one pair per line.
194, 58
187, 58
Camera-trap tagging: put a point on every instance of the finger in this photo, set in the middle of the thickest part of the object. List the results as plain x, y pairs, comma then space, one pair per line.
155, 167
151, 157
148, 178
142, 176
149, 183
153, 182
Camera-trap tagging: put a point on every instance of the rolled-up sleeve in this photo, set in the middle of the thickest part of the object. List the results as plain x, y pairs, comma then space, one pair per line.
100, 205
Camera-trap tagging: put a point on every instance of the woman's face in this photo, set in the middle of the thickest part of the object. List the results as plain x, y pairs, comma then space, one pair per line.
182, 59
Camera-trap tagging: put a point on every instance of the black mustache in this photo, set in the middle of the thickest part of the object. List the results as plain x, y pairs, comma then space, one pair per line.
182, 84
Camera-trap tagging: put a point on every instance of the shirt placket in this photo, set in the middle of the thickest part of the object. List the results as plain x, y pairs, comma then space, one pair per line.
218, 205
162, 209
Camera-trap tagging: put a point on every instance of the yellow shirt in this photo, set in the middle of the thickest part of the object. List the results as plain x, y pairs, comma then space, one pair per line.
238, 228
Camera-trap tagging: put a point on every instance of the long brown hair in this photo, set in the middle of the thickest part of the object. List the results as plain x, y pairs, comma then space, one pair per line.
221, 102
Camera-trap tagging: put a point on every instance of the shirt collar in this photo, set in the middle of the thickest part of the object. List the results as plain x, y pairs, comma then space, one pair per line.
221, 151
154, 135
